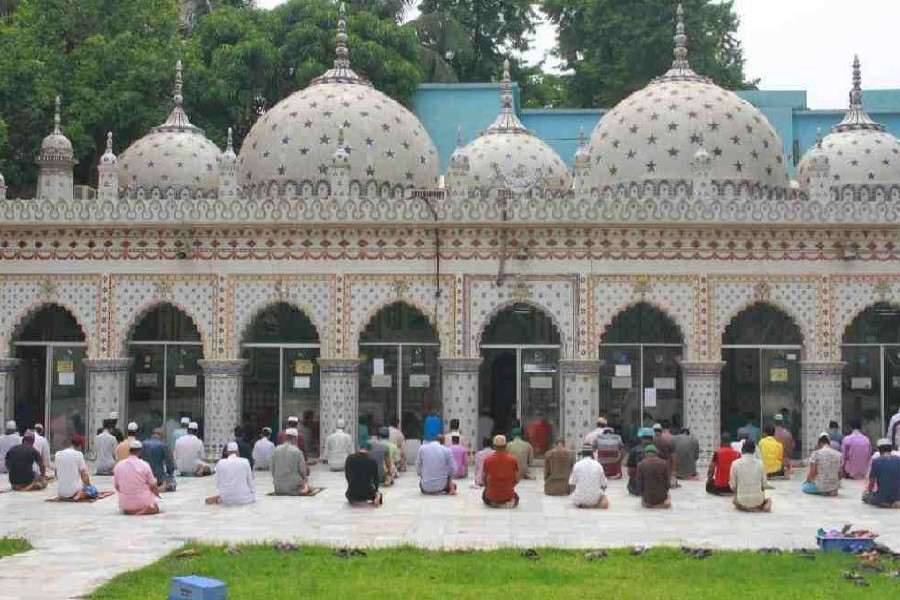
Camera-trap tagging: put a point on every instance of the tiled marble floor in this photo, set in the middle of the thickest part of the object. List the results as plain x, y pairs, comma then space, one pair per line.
79, 546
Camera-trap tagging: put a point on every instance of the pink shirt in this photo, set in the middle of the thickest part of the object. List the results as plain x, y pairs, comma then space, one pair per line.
787, 440
857, 451
133, 479
479, 465
460, 459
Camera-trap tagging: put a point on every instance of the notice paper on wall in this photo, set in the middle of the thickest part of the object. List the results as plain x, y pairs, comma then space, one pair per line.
382, 381
145, 379
185, 381
664, 383
650, 397
895, 381
860, 383
67, 378
778, 375
537, 382
623, 370
302, 382
621, 383
419, 381
303, 367
378, 367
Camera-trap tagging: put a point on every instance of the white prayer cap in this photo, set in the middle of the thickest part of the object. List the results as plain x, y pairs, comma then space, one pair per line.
132, 427
293, 419
193, 425
657, 427
38, 426
291, 432
113, 416
185, 420
341, 424
135, 445
883, 443
231, 447
10, 425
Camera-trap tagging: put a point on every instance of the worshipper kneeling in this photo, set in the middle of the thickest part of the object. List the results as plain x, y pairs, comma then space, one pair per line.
381, 454
772, 452
189, 454
290, 474
654, 479
435, 467
135, 483
21, 461
635, 456
857, 451
156, 454
10, 439
338, 446
123, 449
883, 489
558, 465
480, 457
234, 479
73, 480
523, 452
748, 481
825, 468
361, 472
609, 450
105, 445
393, 453
589, 481
263, 450
501, 474
719, 471
687, 453
460, 457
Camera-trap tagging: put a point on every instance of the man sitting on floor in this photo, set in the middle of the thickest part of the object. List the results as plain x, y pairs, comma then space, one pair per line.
189, 454
124, 448
635, 456
558, 464
883, 489
290, 475
10, 439
523, 452
772, 453
719, 471
460, 458
105, 445
156, 454
338, 446
654, 479
825, 468
687, 453
72, 477
393, 453
589, 481
610, 451
382, 457
263, 450
42, 445
244, 449
20, 464
435, 467
135, 483
480, 457
361, 472
857, 451
748, 481
501, 474
234, 479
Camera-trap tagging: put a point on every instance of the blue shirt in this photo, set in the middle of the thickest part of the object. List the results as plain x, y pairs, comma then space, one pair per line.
433, 427
886, 473
752, 433
159, 457
435, 466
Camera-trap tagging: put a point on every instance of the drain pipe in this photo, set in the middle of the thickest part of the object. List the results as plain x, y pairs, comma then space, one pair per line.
437, 255
501, 271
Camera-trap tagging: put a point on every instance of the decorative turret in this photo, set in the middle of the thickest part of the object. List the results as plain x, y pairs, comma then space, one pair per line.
228, 170
459, 166
2, 187
56, 180
108, 168
340, 168
582, 163
818, 170
701, 173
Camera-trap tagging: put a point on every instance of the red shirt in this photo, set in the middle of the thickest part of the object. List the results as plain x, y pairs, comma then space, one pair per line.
500, 473
723, 457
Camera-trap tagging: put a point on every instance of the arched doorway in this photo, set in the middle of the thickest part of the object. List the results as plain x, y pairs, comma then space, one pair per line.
166, 381
519, 380
51, 387
871, 379
399, 374
640, 376
762, 348
281, 347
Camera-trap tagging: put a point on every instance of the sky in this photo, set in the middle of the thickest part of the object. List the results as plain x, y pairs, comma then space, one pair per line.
800, 45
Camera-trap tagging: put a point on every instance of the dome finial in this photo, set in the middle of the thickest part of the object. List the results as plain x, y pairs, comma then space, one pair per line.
109, 142
459, 139
856, 91
681, 61
506, 96
819, 137
230, 140
57, 121
507, 120
856, 118
581, 141
178, 95
342, 54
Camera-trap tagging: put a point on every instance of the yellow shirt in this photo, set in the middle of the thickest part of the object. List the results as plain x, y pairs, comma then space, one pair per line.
123, 449
772, 453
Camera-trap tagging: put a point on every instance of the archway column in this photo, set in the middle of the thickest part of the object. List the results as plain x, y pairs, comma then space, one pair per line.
107, 391
222, 381
579, 398
821, 389
339, 385
703, 402
8, 367
459, 394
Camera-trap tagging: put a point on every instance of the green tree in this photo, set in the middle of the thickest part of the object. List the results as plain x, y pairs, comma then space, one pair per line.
614, 48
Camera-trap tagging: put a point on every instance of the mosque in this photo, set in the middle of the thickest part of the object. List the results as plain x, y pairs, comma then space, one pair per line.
330, 270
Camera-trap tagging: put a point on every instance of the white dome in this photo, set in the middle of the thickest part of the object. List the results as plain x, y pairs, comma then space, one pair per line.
56, 147
175, 154
296, 140
858, 151
654, 134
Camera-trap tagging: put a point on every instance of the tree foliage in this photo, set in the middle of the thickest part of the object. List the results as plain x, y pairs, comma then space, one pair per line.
614, 48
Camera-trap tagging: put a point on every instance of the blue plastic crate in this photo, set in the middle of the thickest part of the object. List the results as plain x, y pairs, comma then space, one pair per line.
844, 544
194, 587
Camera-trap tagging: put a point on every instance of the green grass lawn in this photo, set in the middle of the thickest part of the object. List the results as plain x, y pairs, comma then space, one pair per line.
10, 546
411, 574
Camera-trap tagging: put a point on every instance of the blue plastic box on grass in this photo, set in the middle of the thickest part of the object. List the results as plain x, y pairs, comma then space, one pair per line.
844, 544
194, 587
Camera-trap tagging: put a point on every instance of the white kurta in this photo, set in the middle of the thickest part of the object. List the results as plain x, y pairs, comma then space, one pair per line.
105, 444
234, 481
263, 450
43, 447
338, 446
589, 481
7, 442
188, 453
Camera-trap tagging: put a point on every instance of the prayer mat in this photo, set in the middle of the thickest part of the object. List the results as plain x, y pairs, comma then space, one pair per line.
100, 496
313, 491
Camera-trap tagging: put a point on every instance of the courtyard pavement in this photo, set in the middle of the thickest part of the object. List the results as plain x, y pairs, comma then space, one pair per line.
77, 547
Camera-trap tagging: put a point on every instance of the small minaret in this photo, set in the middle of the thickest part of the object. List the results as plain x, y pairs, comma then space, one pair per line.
339, 172
2, 187
228, 170
459, 168
582, 163
56, 181
701, 174
108, 168
819, 170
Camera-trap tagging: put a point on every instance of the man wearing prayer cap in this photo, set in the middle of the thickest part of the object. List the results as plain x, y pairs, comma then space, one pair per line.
501, 474
123, 450
41, 444
293, 422
338, 446
10, 439
135, 483
234, 479
21, 461
361, 472
635, 456
883, 489
523, 453
653, 479
263, 450
290, 475
180, 431
105, 446
189, 454
113, 419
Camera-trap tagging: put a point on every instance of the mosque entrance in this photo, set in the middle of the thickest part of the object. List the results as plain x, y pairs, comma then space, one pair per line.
166, 379
51, 387
871, 378
519, 382
399, 374
762, 349
640, 376
282, 347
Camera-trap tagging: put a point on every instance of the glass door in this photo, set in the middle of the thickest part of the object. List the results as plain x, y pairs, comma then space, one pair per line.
67, 411
419, 393
261, 389
499, 382
619, 384
861, 395
300, 386
31, 386
166, 384
184, 385
891, 384
379, 373
539, 392
661, 384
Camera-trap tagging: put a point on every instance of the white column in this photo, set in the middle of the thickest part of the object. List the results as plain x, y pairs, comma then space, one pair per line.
580, 398
821, 383
459, 395
339, 389
222, 380
8, 368
107, 391
703, 402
